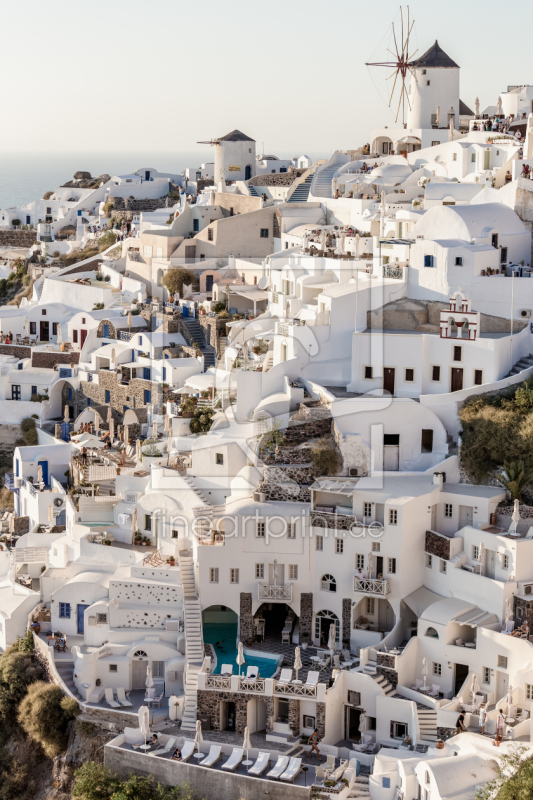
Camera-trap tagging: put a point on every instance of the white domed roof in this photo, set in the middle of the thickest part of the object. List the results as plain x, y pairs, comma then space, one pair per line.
392, 171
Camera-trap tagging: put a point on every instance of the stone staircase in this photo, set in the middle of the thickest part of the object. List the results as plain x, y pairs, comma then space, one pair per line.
521, 365
360, 789
253, 191
66, 673
324, 177
196, 334
301, 193
222, 344
381, 680
427, 723
194, 646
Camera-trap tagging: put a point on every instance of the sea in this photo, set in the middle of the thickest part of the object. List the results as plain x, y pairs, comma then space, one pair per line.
27, 176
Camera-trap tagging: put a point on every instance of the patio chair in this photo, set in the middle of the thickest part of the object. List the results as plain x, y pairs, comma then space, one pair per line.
279, 768
156, 702
187, 749
234, 760
263, 760
213, 756
162, 751
312, 678
337, 661
110, 700
348, 660
286, 676
323, 665
252, 672
121, 697
337, 774
294, 769
435, 691
321, 773
330, 761
459, 642
226, 669
416, 685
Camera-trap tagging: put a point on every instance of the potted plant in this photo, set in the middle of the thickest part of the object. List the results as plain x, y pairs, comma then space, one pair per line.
36, 627
108, 542
172, 561
138, 537
305, 637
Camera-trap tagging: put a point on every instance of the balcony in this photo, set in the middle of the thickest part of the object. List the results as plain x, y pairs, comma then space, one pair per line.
266, 591
372, 586
9, 481
124, 336
393, 271
256, 685
295, 689
217, 682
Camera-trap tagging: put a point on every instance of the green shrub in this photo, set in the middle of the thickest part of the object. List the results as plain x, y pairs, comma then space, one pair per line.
96, 782
70, 708
202, 420
106, 240
174, 279
326, 457
220, 306
86, 728
29, 431
42, 716
17, 672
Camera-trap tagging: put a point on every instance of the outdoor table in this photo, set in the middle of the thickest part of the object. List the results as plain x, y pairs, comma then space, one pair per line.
198, 755
146, 746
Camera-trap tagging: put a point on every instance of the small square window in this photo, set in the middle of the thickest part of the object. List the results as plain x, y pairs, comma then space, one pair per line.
213, 575
264, 233
454, 157
473, 158
429, 560
391, 564
458, 261
376, 547
101, 619
259, 571
486, 674
367, 509
409, 375
339, 546
64, 610
435, 374
369, 373
443, 566
457, 353
175, 534
359, 561
220, 459
44, 312
437, 669
293, 572
529, 691
502, 662
113, 668
234, 575
448, 510
428, 83
478, 377
393, 516
319, 543
260, 530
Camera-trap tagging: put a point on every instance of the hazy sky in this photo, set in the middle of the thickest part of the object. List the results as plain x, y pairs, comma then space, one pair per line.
115, 75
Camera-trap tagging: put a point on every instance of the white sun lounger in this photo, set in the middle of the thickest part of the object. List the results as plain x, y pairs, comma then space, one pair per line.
286, 676
312, 678
187, 750
252, 672
122, 699
234, 760
292, 771
213, 756
110, 700
260, 765
226, 669
162, 751
279, 768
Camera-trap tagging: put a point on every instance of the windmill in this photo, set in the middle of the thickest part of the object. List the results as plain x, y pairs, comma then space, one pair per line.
400, 65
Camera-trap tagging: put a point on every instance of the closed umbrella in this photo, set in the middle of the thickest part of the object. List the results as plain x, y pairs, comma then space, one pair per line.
297, 661
135, 520
130, 319
362, 722
12, 523
332, 641
509, 696
51, 514
357, 244
481, 555
149, 680
126, 434
144, 721
39, 474
246, 745
167, 424
155, 430
240, 656
97, 423
198, 739
424, 670
370, 564
113, 357
138, 449
111, 429
59, 335
66, 415
508, 610
383, 212
515, 517
475, 686
499, 107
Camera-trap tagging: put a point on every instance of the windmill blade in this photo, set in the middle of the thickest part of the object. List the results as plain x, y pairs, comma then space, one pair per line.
393, 88
395, 42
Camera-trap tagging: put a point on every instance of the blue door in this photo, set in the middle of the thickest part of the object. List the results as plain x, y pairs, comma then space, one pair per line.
185, 311
106, 331
81, 619
44, 467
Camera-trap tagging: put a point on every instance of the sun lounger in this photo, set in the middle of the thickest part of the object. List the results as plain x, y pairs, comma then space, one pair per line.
260, 765
252, 672
162, 751
312, 678
213, 756
187, 749
234, 760
110, 700
292, 771
122, 699
279, 768
226, 669
286, 676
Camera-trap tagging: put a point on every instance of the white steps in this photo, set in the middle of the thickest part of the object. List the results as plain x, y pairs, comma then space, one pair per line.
194, 640
360, 789
382, 681
427, 724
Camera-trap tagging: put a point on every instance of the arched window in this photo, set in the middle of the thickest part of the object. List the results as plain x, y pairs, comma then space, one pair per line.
328, 583
140, 654
431, 632
323, 621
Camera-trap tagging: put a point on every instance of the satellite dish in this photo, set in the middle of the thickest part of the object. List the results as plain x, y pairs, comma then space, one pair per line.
263, 282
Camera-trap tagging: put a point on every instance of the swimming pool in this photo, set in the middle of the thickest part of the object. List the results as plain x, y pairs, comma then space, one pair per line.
227, 654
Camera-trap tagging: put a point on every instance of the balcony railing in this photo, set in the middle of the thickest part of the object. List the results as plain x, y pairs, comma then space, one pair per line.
29, 486
266, 591
295, 689
124, 336
393, 272
217, 682
9, 481
252, 685
370, 586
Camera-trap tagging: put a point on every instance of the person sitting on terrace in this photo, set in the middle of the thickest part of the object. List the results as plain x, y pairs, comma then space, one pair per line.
176, 755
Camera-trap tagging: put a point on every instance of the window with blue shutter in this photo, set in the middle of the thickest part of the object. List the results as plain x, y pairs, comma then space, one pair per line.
64, 610
146, 373
140, 339
107, 396
20, 365
196, 225
34, 390
88, 401
429, 261
147, 396
70, 394
106, 331
164, 373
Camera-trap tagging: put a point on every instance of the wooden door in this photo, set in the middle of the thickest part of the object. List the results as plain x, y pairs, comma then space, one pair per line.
457, 379
45, 331
138, 674
388, 379
466, 516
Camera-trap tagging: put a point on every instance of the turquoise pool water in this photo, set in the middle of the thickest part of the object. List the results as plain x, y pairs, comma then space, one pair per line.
227, 653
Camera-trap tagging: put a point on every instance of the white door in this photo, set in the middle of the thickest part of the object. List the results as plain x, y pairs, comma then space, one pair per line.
466, 516
502, 684
138, 674
490, 563
391, 458
380, 512
434, 518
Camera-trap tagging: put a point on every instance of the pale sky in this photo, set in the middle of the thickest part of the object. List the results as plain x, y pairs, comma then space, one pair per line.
115, 75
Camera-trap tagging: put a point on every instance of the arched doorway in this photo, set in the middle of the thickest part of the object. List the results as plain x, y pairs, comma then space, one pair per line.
220, 628
139, 666
323, 621
247, 172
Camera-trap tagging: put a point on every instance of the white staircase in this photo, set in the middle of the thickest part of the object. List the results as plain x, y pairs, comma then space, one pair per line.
198, 492
360, 789
427, 724
381, 680
322, 182
194, 643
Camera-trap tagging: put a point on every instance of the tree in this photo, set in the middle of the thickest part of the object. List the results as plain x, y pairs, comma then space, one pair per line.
17, 671
202, 419
96, 782
514, 780
326, 458
42, 716
174, 279
29, 432
514, 478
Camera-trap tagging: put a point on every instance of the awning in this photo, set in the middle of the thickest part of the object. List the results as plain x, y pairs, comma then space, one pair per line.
250, 292
421, 599
475, 617
220, 379
408, 140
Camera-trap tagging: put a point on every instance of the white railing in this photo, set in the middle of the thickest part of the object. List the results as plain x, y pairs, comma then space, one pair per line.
217, 682
55, 484
252, 685
31, 555
266, 591
295, 689
369, 586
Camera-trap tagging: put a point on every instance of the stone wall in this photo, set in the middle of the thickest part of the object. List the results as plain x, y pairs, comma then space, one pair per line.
346, 618
302, 474
390, 674
294, 715
291, 455
290, 492
131, 204
209, 703
17, 238
16, 350
321, 719
306, 615
48, 360
94, 264
121, 395
246, 617
214, 328
437, 545
445, 733
526, 512
337, 522
277, 178
22, 525
309, 423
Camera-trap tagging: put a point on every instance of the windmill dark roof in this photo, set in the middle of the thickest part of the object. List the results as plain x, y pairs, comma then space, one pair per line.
434, 57
464, 111
236, 136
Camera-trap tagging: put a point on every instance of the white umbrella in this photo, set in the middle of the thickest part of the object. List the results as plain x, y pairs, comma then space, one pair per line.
240, 656
149, 680
475, 686
297, 661
370, 564
476, 106
138, 449
135, 520
126, 434
51, 514
332, 641
438, 117
424, 670
144, 721
59, 335
323, 237
357, 244
515, 517
130, 319
198, 739
111, 429
362, 722
383, 212
167, 423
246, 745
499, 107
481, 556
113, 357
509, 696
66, 416
12, 523
97, 422
508, 610
155, 430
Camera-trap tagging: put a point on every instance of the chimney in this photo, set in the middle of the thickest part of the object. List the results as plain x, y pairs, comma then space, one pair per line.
438, 479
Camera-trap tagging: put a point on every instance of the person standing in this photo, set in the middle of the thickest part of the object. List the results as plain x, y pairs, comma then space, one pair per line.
500, 722
460, 724
313, 740
482, 718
